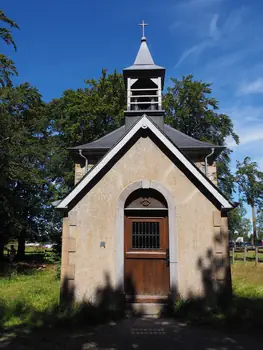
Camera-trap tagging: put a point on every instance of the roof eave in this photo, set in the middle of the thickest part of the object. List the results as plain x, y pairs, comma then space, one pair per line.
140, 67
145, 122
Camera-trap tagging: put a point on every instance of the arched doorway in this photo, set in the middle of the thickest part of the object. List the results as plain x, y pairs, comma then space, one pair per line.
146, 246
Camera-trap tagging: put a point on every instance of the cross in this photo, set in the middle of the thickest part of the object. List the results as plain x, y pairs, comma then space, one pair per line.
143, 25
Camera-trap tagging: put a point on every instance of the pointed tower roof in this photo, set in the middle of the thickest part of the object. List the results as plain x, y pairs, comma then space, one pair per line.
144, 59
144, 56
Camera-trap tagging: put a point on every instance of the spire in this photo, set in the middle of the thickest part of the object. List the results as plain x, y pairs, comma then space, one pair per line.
144, 56
144, 60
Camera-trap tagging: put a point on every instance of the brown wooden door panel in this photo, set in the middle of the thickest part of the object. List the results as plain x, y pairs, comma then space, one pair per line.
147, 276
145, 255
145, 266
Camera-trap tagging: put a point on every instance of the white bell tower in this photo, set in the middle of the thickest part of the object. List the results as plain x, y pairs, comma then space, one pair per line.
144, 83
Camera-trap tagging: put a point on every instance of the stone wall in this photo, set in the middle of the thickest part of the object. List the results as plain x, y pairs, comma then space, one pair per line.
80, 171
93, 220
211, 170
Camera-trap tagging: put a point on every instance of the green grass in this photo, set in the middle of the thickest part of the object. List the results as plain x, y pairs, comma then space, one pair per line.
32, 299
245, 310
247, 279
22, 296
251, 255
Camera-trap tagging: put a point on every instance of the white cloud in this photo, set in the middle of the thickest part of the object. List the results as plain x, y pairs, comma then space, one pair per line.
220, 43
191, 4
230, 67
214, 30
196, 49
254, 87
248, 124
245, 114
246, 135
251, 134
203, 28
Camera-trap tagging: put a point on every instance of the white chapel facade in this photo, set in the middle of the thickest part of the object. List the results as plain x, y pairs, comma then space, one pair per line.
145, 214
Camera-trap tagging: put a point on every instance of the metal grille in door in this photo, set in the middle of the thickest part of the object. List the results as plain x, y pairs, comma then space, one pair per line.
145, 235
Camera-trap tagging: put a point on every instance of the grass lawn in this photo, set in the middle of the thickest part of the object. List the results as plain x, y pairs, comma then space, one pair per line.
32, 299
22, 296
250, 255
247, 279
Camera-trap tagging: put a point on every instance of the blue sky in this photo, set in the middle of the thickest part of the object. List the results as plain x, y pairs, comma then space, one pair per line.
61, 43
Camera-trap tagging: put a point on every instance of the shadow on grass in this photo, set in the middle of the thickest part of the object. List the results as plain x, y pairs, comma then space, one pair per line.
107, 324
71, 325
239, 313
21, 268
32, 262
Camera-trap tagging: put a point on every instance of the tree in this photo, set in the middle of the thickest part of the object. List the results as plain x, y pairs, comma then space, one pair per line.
190, 108
23, 155
250, 185
239, 225
260, 224
7, 67
81, 116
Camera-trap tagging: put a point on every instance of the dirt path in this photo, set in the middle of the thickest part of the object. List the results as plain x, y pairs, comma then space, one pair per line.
138, 334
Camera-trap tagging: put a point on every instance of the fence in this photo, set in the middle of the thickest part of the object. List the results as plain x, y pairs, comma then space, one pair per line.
247, 254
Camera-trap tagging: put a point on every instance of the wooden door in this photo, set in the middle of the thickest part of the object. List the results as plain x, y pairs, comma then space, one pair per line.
146, 255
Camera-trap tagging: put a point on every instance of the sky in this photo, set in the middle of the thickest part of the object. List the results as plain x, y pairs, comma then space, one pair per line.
61, 43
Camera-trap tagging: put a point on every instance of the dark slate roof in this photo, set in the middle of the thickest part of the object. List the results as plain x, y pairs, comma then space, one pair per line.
181, 140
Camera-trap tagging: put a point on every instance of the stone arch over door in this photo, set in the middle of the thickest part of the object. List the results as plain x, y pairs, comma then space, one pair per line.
146, 184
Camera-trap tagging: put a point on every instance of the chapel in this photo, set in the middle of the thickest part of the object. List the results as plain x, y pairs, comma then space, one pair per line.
145, 214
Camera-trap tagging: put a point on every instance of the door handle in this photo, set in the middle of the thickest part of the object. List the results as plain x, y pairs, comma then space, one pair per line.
167, 258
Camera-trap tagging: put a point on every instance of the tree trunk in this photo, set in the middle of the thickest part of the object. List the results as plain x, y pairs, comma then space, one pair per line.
2, 245
21, 245
254, 224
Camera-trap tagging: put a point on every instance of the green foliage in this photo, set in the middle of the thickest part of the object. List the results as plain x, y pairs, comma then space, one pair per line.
239, 225
7, 67
260, 224
34, 159
82, 116
5, 33
7, 70
250, 185
250, 182
190, 108
23, 155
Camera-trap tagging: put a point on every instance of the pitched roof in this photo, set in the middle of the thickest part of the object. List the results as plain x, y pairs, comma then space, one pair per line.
145, 123
144, 59
180, 139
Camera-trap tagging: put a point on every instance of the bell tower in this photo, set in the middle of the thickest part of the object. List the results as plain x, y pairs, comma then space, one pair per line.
144, 82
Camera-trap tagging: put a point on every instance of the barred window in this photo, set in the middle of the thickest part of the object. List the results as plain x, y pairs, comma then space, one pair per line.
145, 235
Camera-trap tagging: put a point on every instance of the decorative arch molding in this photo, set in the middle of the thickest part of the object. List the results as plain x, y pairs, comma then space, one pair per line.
173, 249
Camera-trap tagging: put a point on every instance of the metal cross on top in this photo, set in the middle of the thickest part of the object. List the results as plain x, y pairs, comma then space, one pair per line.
143, 24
